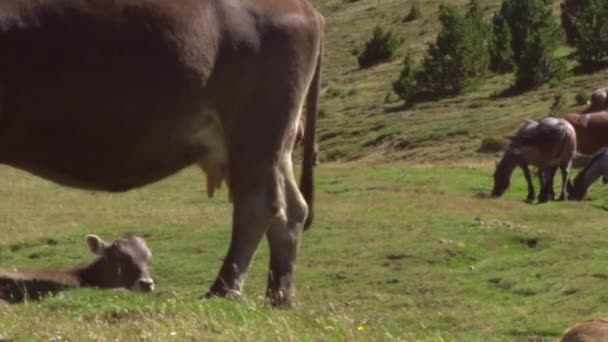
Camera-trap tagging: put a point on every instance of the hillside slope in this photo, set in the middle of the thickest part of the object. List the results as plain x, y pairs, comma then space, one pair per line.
362, 119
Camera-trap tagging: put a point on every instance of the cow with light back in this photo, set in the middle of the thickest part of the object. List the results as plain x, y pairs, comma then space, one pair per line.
115, 95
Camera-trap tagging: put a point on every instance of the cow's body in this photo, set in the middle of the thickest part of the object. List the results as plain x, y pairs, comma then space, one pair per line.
591, 130
114, 95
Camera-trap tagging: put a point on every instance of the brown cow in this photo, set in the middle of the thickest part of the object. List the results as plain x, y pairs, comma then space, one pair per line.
593, 330
121, 264
591, 130
115, 95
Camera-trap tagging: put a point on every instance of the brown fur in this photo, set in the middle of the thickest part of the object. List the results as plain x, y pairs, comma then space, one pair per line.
115, 95
300, 139
593, 330
591, 130
122, 263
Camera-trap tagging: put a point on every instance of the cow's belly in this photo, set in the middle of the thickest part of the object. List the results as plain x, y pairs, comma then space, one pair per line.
117, 153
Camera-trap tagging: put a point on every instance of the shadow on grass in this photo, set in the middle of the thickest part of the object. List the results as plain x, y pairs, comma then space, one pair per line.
589, 69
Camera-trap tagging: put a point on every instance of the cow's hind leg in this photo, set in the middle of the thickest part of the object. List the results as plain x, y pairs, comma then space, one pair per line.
255, 207
547, 193
565, 170
283, 238
531, 194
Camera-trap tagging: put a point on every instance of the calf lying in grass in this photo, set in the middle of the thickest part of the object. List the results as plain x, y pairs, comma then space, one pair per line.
121, 264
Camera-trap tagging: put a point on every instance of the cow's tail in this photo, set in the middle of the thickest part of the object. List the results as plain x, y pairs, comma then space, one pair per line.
307, 187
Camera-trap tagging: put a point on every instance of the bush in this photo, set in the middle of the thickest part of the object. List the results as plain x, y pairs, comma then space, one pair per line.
415, 12
581, 98
406, 86
333, 92
559, 103
382, 47
492, 144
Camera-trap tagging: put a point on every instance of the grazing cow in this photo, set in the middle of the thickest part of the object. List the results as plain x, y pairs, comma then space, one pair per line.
591, 130
593, 330
115, 95
546, 144
121, 264
595, 168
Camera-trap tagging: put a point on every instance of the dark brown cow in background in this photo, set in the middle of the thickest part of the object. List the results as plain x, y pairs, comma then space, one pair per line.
122, 263
598, 100
115, 95
591, 130
591, 124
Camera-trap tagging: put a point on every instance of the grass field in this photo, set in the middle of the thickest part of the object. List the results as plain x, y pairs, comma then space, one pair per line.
406, 245
398, 252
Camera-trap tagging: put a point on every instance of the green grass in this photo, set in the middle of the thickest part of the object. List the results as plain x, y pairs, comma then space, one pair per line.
397, 252
405, 246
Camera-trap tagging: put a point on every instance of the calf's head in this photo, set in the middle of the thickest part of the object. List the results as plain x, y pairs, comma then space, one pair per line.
123, 263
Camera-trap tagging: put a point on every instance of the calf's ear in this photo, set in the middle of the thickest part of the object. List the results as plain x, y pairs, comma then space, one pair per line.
96, 244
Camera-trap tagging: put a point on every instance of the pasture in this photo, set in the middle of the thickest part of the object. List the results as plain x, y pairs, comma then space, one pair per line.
405, 246
398, 252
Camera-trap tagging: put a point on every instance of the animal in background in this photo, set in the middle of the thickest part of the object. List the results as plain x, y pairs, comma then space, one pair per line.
591, 130
123, 263
593, 330
598, 101
547, 145
595, 168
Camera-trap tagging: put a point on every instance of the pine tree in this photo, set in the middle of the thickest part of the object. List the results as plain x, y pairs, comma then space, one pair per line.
501, 54
537, 65
535, 36
406, 86
525, 18
570, 11
590, 32
459, 56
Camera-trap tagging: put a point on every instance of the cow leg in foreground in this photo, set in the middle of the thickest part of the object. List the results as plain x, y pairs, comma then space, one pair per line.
541, 180
546, 193
283, 238
259, 190
526, 170
263, 188
565, 169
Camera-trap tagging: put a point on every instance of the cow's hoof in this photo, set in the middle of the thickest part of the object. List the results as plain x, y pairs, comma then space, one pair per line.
279, 300
222, 293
